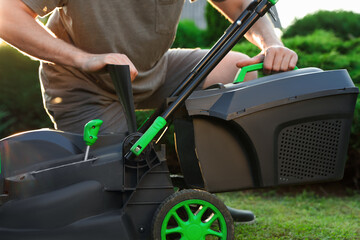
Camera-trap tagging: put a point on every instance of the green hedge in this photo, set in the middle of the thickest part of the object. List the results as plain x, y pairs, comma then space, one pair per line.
343, 23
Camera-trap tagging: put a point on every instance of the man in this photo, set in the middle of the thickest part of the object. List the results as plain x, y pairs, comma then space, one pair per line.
83, 36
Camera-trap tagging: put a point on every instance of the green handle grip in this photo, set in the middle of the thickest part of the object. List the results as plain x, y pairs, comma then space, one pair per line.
148, 136
91, 131
244, 70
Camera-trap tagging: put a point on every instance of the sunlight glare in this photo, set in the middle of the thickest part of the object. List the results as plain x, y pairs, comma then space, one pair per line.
291, 9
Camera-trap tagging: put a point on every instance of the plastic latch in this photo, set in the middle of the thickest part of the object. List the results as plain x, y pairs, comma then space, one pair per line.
244, 70
91, 131
148, 136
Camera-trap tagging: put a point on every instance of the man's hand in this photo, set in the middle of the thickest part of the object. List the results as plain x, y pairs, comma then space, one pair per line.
97, 62
276, 58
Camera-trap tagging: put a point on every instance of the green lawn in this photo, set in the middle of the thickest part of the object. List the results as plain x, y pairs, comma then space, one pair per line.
297, 216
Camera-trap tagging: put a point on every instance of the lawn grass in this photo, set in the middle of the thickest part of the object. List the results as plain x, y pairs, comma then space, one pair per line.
297, 216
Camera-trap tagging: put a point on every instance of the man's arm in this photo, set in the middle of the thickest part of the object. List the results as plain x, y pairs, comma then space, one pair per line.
275, 56
18, 26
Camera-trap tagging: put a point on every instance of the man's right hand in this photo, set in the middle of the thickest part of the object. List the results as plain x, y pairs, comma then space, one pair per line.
97, 62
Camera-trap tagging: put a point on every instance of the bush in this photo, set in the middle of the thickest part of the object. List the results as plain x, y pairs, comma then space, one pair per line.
319, 41
344, 24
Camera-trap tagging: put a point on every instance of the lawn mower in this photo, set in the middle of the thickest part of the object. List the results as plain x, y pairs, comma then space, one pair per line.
282, 129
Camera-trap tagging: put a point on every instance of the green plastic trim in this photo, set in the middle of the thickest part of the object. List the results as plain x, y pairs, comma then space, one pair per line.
91, 131
273, 2
148, 136
244, 70
194, 228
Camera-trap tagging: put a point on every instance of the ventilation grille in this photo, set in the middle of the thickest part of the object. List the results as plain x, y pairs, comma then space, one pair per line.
309, 150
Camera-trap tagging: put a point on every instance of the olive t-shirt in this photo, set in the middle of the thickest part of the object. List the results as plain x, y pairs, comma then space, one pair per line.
142, 29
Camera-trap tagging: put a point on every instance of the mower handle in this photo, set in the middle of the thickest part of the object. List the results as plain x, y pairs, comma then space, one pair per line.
255, 10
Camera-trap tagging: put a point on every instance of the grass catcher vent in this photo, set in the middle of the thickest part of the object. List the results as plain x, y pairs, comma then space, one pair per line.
309, 150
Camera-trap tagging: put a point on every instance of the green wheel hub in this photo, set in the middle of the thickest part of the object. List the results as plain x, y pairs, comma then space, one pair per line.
196, 222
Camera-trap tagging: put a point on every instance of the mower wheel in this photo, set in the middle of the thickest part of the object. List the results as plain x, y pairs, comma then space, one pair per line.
192, 215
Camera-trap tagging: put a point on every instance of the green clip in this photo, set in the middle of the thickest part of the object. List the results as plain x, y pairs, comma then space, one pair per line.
148, 136
91, 131
244, 70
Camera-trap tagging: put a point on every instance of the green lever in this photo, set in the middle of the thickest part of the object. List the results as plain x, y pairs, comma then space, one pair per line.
91, 131
244, 70
148, 136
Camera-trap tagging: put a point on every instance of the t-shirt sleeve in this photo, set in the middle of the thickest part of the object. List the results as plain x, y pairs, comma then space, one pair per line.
43, 7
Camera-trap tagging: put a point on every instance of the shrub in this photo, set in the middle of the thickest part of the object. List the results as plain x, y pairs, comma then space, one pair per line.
319, 41
344, 24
